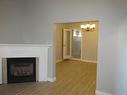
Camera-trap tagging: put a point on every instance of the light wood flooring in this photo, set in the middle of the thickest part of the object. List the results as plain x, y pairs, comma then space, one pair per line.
73, 78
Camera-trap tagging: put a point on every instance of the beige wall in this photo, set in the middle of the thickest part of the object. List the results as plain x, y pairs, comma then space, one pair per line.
90, 41
58, 41
90, 44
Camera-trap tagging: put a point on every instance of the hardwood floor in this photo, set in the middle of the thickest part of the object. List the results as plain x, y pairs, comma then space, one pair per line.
73, 78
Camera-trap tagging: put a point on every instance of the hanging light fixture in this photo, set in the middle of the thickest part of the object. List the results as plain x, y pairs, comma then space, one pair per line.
88, 27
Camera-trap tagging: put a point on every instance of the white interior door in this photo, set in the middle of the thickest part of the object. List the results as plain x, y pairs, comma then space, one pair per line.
67, 40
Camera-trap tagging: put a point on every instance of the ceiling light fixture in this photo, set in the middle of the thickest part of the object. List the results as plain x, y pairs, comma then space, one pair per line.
88, 27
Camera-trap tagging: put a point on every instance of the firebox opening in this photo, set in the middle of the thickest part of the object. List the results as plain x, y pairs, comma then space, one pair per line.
21, 70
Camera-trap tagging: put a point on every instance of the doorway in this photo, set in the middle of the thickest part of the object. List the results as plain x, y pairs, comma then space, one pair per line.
76, 55
72, 44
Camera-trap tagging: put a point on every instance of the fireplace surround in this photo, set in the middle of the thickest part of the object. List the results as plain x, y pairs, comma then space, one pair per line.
39, 51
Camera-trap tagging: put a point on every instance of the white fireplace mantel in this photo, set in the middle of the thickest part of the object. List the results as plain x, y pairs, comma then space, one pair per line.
39, 51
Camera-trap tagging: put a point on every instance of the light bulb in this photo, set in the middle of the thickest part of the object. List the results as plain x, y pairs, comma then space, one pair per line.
92, 26
87, 25
82, 26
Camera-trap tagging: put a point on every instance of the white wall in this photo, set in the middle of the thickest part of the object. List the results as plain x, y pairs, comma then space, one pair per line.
121, 62
43, 13
38, 28
17, 26
11, 21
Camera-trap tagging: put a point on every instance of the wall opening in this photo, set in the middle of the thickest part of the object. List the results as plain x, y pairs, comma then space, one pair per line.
76, 51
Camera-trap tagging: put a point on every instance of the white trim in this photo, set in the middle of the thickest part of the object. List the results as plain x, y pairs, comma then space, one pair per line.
71, 42
52, 79
90, 61
28, 45
65, 56
102, 93
1, 71
75, 59
60, 60
81, 44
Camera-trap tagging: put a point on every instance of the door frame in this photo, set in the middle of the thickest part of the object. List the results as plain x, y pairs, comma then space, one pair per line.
54, 48
63, 43
71, 44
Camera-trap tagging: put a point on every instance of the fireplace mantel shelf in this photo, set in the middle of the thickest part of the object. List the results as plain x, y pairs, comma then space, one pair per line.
29, 45
40, 51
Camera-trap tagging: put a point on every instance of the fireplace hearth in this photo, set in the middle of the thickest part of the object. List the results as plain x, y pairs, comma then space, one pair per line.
21, 70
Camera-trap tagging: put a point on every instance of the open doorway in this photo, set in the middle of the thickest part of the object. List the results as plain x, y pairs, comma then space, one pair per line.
76, 46
74, 43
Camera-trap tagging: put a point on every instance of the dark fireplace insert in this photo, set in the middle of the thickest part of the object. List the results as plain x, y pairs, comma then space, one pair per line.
21, 70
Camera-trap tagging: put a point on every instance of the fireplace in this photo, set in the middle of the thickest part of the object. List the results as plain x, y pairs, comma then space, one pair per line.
21, 70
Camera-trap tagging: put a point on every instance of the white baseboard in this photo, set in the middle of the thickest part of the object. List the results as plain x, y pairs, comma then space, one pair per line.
102, 93
83, 60
52, 79
90, 61
75, 59
60, 60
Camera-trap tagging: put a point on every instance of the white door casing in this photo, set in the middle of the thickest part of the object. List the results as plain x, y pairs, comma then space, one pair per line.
67, 41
